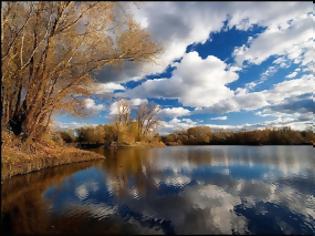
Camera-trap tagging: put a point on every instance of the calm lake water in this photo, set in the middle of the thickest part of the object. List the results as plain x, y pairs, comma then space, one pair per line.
172, 190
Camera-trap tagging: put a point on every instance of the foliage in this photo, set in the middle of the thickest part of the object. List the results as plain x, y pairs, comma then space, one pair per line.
199, 135
124, 130
202, 135
91, 135
67, 136
49, 52
147, 120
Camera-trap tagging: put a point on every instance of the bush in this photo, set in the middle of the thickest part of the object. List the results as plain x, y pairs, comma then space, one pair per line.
67, 136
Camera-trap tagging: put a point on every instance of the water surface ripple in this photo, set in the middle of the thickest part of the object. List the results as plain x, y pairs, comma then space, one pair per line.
173, 190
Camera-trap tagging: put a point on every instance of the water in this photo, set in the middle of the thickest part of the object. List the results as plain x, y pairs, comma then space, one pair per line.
173, 190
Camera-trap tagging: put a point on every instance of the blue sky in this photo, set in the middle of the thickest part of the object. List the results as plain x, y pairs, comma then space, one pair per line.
225, 65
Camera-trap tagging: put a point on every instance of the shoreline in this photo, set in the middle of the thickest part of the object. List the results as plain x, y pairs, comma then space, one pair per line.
15, 162
121, 145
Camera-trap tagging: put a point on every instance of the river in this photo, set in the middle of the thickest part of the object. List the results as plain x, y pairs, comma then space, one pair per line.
172, 190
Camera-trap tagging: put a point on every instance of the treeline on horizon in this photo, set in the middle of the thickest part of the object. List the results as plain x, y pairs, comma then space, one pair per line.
202, 135
199, 135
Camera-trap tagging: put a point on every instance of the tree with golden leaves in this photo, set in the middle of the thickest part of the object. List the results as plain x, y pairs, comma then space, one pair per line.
147, 119
122, 118
49, 52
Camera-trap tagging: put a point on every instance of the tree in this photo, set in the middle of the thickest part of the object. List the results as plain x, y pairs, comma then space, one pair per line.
200, 134
50, 51
91, 135
147, 119
122, 117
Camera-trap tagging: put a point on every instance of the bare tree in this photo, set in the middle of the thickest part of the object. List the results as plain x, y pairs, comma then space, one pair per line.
49, 51
122, 117
147, 119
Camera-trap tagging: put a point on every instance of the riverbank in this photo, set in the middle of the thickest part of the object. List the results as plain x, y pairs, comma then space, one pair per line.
16, 162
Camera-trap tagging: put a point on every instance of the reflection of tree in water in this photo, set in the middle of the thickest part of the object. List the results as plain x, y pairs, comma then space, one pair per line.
137, 167
27, 214
24, 210
127, 169
215, 202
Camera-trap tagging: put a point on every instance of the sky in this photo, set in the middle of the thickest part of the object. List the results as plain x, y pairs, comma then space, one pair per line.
231, 65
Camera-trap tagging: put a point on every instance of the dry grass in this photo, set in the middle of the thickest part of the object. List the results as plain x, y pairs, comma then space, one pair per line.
17, 158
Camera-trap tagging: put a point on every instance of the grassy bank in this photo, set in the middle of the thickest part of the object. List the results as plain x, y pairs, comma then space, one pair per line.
15, 160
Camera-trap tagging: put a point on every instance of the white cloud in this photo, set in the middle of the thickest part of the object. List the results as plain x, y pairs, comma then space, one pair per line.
174, 112
113, 109
195, 82
281, 121
219, 118
288, 39
290, 88
174, 31
202, 83
137, 101
291, 75
58, 125
282, 62
105, 88
91, 106
244, 100
175, 124
263, 77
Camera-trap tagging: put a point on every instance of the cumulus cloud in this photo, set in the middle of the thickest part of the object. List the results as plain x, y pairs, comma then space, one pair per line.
174, 112
174, 31
103, 88
175, 124
299, 122
203, 83
91, 106
195, 82
284, 105
244, 100
137, 101
58, 125
113, 109
301, 104
289, 39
